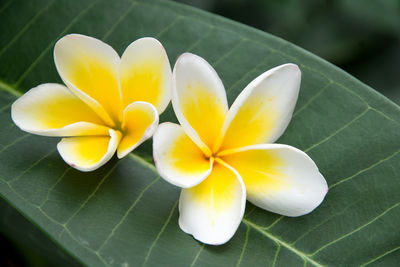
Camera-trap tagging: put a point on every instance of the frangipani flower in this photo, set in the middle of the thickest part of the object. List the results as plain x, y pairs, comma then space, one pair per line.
222, 156
108, 104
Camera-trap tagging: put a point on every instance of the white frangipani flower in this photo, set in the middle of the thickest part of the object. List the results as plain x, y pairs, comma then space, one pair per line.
108, 104
222, 156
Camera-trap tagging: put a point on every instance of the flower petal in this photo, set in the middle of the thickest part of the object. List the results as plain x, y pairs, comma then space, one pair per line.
278, 178
145, 74
88, 153
139, 122
177, 158
263, 110
52, 110
213, 210
199, 100
89, 68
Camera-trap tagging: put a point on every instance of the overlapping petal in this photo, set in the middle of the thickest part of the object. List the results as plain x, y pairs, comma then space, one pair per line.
278, 178
145, 74
199, 100
140, 120
87, 153
261, 113
52, 110
90, 69
91, 111
177, 157
213, 210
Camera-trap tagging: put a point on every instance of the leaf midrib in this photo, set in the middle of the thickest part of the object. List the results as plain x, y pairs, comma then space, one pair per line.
279, 241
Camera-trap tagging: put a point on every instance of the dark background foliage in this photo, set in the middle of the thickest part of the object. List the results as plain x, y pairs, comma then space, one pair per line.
361, 37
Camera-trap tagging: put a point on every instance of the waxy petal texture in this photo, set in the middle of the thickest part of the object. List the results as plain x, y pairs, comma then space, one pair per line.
52, 110
140, 120
87, 153
91, 110
177, 158
261, 113
90, 69
199, 100
213, 210
279, 178
145, 74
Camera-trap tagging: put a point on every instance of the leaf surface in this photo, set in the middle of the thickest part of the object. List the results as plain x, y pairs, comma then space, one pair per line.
125, 215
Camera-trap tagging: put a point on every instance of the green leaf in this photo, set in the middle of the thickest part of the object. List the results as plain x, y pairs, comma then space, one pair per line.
124, 214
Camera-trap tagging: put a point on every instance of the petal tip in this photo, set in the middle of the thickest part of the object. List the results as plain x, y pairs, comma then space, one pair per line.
208, 241
121, 155
151, 39
188, 56
292, 66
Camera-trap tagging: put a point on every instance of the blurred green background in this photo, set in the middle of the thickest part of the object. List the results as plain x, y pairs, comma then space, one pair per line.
361, 37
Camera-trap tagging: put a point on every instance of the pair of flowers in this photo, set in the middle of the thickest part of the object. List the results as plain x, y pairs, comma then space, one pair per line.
219, 156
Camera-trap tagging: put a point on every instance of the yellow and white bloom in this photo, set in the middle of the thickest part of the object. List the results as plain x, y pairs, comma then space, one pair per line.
222, 156
108, 104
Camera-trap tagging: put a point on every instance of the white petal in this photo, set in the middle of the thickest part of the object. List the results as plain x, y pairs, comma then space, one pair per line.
52, 110
179, 160
139, 122
262, 111
213, 210
90, 69
279, 178
145, 74
88, 153
199, 100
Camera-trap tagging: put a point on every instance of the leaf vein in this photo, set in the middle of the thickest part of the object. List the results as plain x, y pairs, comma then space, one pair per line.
32, 166
5, 107
4, 86
55, 222
338, 130
356, 230
197, 255
364, 170
323, 222
247, 74
311, 99
227, 53
127, 212
381, 256
160, 233
210, 30
166, 28
94, 192
281, 242
246, 240
55, 184
143, 162
26, 27
5, 6
250, 211
113, 27
278, 248
14, 142
274, 223
36, 61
